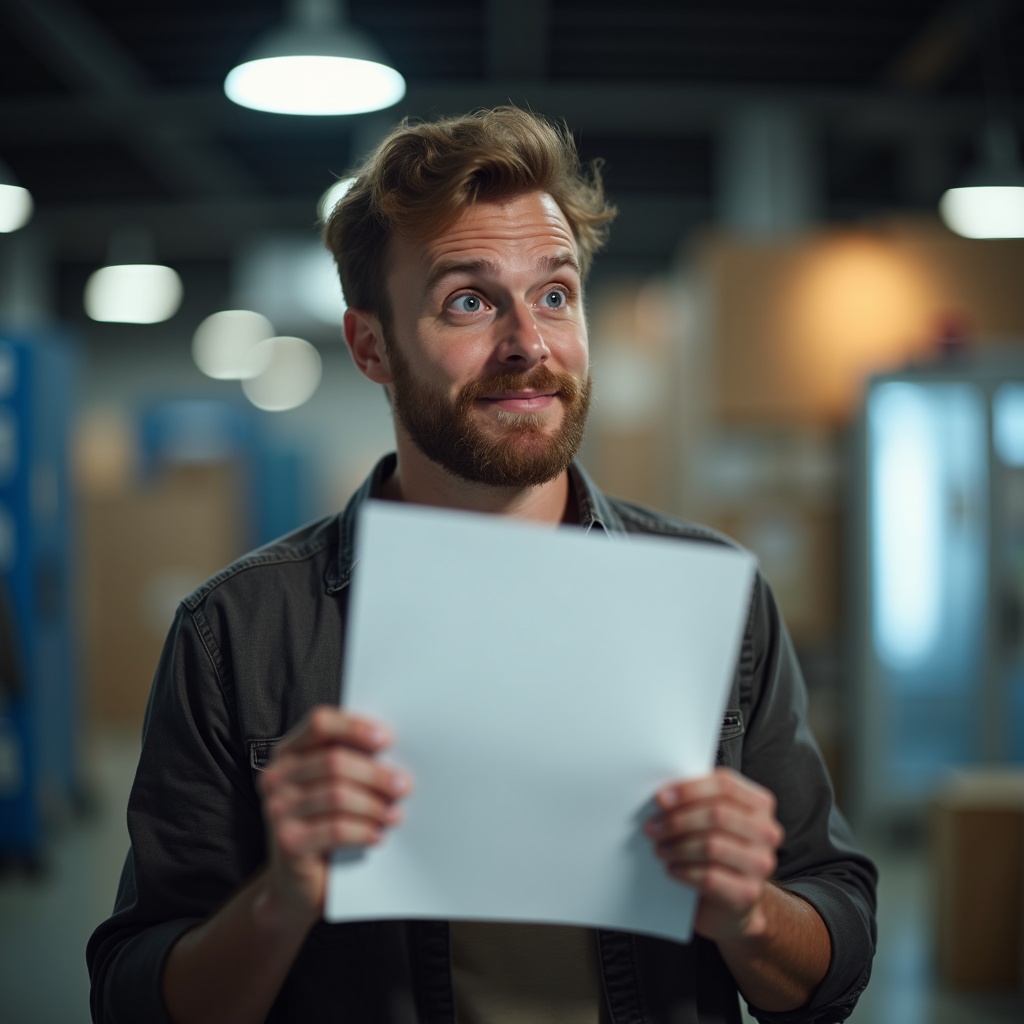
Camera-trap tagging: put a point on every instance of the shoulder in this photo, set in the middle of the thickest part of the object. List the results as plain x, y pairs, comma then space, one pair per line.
640, 519
269, 618
307, 553
618, 516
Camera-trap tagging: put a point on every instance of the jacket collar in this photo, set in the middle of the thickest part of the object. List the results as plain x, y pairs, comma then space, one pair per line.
594, 509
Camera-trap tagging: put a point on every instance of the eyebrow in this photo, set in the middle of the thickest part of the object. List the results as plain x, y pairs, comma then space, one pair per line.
490, 268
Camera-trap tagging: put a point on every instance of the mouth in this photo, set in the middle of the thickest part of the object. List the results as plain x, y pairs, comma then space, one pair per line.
520, 401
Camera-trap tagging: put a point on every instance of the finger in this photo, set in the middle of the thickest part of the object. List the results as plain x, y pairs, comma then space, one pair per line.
716, 850
338, 799
719, 817
343, 764
340, 764
326, 725
721, 783
303, 837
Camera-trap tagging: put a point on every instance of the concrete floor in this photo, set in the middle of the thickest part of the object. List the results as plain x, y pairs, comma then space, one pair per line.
46, 919
45, 922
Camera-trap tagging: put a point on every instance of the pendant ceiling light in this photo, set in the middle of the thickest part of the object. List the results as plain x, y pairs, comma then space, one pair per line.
133, 293
288, 372
223, 343
990, 202
315, 64
131, 289
16, 204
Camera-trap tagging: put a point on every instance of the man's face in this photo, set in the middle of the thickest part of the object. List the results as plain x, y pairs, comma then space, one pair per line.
487, 345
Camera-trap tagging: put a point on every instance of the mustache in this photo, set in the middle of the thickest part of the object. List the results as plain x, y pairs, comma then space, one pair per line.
539, 379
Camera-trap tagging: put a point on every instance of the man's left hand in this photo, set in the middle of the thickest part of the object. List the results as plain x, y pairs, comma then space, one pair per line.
719, 834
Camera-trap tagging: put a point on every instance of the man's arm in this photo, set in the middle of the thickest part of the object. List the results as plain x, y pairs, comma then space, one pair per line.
720, 835
324, 788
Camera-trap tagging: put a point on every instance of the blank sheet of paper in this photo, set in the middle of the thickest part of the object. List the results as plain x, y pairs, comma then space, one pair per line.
542, 685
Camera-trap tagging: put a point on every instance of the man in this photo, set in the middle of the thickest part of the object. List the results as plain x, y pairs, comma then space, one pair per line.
462, 250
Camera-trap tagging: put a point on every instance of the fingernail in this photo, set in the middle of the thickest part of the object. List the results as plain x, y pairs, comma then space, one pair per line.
668, 798
400, 783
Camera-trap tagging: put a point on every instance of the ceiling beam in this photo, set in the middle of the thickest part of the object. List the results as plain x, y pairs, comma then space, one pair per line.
944, 43
197, 229
603, 108
76, 49
516, 34
211, 229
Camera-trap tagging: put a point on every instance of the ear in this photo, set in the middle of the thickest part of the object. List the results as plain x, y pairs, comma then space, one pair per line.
365, 339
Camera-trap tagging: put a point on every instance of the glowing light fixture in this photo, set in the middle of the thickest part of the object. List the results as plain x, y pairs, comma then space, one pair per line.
334, 195
317, 286
16, 206
288, 373
292, 279
990, 204
1008, 424
133, 293
223, 343
132, 289
316, 64
906, 517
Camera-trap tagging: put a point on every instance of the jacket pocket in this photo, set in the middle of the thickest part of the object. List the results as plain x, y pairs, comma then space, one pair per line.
730, 739
260, 752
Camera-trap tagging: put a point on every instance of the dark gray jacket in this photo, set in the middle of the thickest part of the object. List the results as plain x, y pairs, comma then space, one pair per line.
257, 646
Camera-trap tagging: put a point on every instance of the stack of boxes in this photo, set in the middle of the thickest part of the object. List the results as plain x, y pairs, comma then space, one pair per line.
978, 849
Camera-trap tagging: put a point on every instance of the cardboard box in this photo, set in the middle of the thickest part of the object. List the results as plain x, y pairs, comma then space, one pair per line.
797, 325
978, 857
145, 546
797, 546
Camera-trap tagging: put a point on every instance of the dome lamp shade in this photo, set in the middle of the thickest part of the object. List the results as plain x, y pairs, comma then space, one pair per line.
316, 65
134, 293
990, 201
16, 205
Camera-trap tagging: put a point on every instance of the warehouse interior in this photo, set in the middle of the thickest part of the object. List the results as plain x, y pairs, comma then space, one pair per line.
792, 341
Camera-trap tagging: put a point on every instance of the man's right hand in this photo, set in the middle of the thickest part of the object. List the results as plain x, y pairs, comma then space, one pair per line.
325, 788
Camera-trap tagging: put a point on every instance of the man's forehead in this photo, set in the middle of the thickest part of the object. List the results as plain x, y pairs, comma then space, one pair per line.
532, 225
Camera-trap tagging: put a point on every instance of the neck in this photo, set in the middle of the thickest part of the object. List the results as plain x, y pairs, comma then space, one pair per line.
423, 482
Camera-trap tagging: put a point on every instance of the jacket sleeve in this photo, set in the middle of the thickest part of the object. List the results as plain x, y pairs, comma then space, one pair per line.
818, 860
194, 822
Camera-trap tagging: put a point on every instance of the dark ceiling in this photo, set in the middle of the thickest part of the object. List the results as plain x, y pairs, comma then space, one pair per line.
112, 111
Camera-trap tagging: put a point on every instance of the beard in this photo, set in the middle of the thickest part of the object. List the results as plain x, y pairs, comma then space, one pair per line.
523, 452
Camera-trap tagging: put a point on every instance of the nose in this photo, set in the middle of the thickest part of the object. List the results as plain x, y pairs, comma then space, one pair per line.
520, 342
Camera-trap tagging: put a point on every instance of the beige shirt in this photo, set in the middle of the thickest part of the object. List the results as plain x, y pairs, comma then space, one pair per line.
526, 974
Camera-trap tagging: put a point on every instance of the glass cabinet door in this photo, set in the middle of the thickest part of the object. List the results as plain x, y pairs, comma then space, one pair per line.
928, 513
1008, 537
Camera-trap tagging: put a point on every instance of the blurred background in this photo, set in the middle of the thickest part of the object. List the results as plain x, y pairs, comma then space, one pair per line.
807, 331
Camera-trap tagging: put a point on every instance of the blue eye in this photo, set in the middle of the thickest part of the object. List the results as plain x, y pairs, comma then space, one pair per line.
555, 299
467, 304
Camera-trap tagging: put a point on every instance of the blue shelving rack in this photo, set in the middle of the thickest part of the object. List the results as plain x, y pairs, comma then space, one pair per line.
39, 695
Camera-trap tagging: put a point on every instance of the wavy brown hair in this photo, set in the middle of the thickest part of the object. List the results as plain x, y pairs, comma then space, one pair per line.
424, 174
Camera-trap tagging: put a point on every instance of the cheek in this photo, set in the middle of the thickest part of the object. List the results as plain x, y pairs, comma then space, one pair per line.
458, 358
431, 357
574, 349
